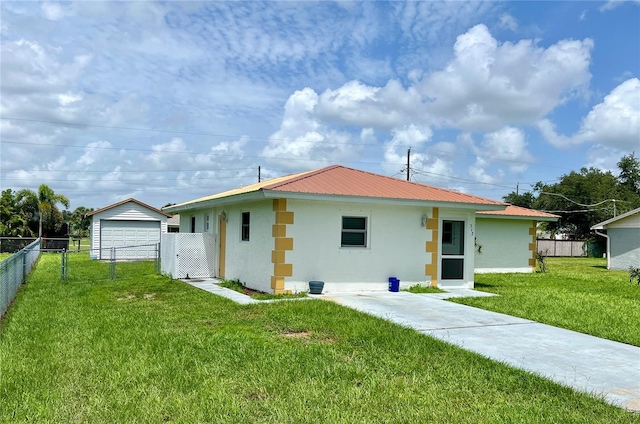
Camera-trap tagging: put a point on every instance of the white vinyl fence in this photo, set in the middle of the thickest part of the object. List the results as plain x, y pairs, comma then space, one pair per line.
13, 272
191, 255
550, 247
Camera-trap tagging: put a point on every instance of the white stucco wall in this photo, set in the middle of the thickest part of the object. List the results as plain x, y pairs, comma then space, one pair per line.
396, 246
505, 245
250, 261
129, 211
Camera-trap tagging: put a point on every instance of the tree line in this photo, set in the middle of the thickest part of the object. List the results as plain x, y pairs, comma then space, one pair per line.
584, 198
28, 213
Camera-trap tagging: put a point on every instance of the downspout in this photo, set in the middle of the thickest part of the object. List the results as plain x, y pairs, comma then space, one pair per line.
608, 248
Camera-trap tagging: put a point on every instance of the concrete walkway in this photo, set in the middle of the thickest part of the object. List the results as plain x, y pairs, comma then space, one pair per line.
585, 363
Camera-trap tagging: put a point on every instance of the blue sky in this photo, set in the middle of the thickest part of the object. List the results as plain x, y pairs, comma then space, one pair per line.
170, 101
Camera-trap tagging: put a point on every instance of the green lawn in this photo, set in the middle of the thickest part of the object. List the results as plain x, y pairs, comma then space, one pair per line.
143, 348
575, 293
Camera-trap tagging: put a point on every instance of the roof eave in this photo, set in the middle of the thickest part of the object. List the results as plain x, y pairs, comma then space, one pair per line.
520, 217
380, 200
212, 203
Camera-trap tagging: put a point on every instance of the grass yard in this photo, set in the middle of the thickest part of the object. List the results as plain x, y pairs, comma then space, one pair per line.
144, 348
575, 293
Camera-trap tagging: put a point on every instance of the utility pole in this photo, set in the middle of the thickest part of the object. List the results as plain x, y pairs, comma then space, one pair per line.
517, 188
408, 162
258, 173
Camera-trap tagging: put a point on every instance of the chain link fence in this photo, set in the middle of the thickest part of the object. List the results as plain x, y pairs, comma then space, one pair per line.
13, 272
114, 256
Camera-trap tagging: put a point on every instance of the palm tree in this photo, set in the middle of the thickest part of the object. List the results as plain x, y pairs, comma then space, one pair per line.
45, 202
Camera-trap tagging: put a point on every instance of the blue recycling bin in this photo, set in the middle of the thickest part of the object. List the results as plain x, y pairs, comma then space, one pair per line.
394, 284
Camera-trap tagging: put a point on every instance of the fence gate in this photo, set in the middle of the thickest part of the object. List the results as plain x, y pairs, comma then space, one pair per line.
191, 254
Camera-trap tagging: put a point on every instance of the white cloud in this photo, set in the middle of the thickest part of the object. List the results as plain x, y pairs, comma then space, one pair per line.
507, 145
303, 142
614, 122
396, 149
489, 85
486, 86
478, 172
55, 11
93, 152
508, 21
612, 4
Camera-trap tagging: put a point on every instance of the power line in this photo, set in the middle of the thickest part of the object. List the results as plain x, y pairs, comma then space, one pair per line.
234, 136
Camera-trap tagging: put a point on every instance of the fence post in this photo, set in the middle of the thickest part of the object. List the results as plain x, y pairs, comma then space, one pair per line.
158, 267
112, 264
63, 268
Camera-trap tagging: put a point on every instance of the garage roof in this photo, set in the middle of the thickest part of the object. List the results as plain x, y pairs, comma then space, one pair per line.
127, 201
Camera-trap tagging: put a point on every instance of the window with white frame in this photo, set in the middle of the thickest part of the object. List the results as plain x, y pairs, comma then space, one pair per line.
206, 223
354, 231
246, 220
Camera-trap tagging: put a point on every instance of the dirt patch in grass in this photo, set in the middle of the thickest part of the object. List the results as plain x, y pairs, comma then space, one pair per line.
296, 334
127, 297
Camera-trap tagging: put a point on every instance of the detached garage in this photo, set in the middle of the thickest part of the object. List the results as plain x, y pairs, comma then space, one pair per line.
129, 229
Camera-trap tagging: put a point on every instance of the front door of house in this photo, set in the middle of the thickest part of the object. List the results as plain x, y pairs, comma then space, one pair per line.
452, 242
222, 244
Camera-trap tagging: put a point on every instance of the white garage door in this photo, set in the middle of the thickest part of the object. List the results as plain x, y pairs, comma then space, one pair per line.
131, 239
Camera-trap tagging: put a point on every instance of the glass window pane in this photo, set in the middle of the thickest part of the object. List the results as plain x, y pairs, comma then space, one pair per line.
354, 223
452, 269
353, 239
453, 237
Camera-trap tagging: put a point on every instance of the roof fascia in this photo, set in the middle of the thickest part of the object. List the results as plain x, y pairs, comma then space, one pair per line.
603, 224
523, 218
222, 201
379, 200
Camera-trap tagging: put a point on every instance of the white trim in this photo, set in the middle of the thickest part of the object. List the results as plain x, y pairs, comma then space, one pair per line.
601, 225
523, 270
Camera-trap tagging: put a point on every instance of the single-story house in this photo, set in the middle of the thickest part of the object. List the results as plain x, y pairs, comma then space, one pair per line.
623, 239
349, 228
506, 239
130, 227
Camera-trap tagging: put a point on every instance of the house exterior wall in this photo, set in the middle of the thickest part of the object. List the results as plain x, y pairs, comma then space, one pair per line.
295, 241
250, 261
625, 247
396, 246
200, 215
130, 211
505, 245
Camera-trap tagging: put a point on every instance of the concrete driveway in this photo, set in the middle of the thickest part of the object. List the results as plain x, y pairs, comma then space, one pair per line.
585, 363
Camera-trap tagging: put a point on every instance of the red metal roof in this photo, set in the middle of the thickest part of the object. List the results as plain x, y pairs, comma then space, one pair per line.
342, 181
512, 210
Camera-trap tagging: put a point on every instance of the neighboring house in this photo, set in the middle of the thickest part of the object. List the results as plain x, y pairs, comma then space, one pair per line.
623, 239
173, 224
130, 226
349, 228
506, 240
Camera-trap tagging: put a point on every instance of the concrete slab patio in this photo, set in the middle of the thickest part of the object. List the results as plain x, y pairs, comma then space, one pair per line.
583, 362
